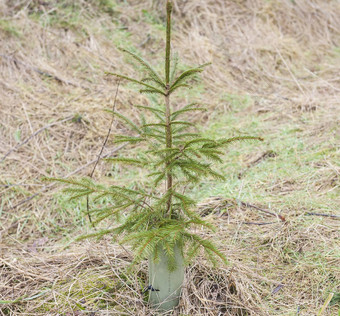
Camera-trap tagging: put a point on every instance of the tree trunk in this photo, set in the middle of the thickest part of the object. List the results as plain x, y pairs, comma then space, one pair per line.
166, 285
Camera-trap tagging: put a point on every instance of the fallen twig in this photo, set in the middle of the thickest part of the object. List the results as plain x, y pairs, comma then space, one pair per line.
41, 72
263, 156
33, 135
259, 224
261, 210
325, 215
27, 273
68, 175
277, 288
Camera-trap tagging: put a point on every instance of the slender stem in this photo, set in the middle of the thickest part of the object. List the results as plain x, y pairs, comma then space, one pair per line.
168, 38
101, 151
168, 130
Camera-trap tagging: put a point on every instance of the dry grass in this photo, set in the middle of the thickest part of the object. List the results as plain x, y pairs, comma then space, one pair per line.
282, 55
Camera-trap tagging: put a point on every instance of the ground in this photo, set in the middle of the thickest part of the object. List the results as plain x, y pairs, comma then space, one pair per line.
274, 73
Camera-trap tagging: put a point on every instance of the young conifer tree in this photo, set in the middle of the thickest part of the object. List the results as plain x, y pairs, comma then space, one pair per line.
158, 215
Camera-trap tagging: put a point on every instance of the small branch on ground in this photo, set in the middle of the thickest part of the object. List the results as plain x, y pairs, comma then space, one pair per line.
68, 175
257, 160
33, 135
325, 215
27, 273
261, 210
259, 224
41, 72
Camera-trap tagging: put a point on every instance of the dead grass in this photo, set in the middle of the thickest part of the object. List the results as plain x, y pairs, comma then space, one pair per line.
282, 55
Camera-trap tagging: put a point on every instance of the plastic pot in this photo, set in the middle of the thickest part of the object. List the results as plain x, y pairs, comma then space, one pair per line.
165, 286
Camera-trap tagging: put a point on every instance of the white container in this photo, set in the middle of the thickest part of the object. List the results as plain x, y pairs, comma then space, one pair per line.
166, 286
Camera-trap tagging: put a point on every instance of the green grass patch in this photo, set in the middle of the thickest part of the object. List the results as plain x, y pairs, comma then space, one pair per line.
9, 27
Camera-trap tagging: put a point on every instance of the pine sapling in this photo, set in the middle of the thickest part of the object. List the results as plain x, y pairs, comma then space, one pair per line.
158, 217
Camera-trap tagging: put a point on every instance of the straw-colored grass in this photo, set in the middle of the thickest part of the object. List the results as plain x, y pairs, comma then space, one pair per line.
275, 73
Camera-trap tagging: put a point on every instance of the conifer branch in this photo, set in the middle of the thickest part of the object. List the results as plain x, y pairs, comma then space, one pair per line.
150, 88
208, 246
184, 76
148, 91
185, 135
128, 161
239, 138
174, 68
152, 109
182, 85
158, 83
129, 139
175, 114
181, 123
204, 65
126, 120
147, 67
154, 124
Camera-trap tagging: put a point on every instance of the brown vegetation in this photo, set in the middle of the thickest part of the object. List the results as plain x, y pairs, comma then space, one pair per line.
283, 55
